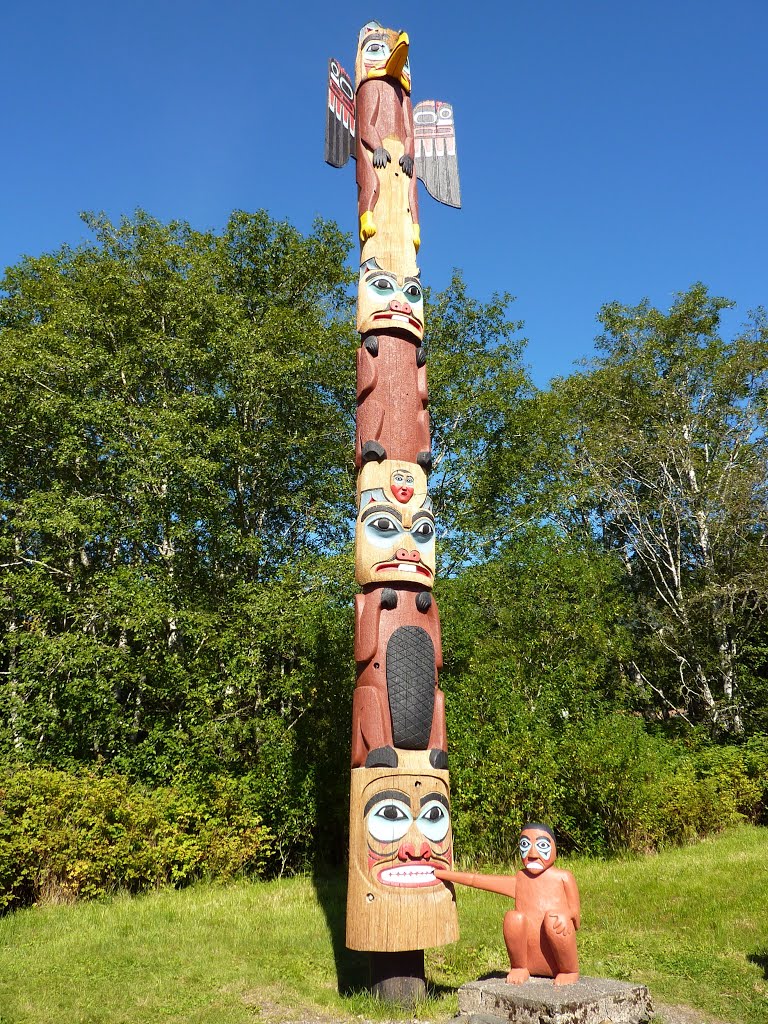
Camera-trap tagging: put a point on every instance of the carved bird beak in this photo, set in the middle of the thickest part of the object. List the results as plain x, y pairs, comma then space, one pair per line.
398, 57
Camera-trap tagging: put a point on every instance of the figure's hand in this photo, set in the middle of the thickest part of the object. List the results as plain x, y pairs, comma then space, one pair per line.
381, 157
367, 226
561, 925
406, 162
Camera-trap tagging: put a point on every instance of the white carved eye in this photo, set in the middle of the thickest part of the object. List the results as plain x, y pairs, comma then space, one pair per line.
543, 847
423, 532
389, 821
434, 821
376, 50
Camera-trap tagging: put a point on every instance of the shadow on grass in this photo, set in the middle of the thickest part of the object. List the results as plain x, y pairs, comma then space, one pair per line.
761, 960
352, 968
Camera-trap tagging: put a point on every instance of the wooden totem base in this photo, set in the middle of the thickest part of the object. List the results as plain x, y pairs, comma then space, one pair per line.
393, 905
399, 977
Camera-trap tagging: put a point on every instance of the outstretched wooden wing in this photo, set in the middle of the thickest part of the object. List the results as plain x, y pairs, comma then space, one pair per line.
435, 153
340, 123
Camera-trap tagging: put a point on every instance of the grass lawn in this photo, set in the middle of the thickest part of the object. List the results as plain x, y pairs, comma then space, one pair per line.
692, 924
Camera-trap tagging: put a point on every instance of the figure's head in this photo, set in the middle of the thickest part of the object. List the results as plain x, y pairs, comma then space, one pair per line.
382, 53
538, 848
399, 832
407, 827
385, 299
395, 531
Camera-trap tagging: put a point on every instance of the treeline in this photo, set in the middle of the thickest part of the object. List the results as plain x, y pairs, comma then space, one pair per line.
176, 494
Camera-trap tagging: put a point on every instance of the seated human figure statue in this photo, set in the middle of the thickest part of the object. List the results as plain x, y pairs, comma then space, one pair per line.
540, 933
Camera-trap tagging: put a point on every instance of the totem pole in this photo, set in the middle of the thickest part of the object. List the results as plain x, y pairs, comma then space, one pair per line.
400, 828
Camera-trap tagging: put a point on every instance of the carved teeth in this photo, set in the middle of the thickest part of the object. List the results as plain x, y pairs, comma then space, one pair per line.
408, 567
415, 875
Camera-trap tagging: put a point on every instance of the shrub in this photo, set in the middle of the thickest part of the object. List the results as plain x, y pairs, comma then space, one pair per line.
67, 836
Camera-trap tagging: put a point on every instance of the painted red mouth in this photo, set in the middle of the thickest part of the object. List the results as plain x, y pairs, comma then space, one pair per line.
415, 873
407, 567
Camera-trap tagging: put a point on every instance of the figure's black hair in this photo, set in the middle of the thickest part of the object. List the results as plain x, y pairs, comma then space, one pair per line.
541, 826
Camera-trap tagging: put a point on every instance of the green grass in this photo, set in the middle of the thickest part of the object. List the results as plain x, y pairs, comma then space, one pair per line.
692, 924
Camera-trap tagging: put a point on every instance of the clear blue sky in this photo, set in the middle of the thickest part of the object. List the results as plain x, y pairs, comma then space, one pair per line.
607, 150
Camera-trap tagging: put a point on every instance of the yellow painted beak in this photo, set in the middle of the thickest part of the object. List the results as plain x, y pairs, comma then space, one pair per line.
398, 57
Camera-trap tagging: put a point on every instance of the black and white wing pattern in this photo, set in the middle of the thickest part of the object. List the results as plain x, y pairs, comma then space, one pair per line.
340, 123
435, 150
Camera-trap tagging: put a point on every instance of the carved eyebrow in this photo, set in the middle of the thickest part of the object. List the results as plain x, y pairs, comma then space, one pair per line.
435, 796
423, 514
372, 509
387, 794
415, 280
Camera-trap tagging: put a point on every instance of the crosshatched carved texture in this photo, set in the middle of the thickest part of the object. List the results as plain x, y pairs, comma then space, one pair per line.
411, 686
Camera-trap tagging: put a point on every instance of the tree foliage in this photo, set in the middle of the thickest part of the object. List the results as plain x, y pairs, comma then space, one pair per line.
667, 453
176, 505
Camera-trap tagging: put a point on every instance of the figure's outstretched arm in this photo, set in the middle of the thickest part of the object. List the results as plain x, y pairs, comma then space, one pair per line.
504, 885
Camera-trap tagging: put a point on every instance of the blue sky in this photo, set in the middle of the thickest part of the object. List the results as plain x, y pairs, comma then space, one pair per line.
607, 150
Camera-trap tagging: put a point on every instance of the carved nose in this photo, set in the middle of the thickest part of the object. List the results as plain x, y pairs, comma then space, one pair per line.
406, 851
400, 307
407, 556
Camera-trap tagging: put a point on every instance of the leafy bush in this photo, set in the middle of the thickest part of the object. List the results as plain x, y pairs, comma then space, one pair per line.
68, 836
603, 783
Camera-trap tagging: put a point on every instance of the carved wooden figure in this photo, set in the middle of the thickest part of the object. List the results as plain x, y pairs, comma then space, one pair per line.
386, 301
540, 933
400, 832
397, 703
395, 534
392, 400
399, 819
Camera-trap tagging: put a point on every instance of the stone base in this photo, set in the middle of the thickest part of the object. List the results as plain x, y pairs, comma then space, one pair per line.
538, 1001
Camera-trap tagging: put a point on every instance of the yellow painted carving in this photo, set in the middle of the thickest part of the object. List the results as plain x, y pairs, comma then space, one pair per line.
367, 226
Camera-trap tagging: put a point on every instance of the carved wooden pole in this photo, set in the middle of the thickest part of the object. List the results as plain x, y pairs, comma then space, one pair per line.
400, 827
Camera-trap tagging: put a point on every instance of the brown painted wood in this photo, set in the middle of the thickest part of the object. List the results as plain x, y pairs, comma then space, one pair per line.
392, 399
374, 629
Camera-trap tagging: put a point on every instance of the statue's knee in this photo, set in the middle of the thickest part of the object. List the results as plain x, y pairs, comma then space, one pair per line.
514, 922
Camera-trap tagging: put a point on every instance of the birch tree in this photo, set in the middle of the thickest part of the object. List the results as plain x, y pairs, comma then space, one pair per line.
666, 437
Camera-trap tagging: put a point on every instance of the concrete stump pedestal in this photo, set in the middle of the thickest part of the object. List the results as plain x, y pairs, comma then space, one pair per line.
538, 1001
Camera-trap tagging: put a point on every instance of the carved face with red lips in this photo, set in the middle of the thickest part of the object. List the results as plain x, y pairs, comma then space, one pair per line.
386, 300
401, 483
395, 544
408, 830
538, 849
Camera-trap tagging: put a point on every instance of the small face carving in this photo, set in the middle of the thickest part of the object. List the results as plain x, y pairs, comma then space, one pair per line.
393, 481
402, 485
382, 52
386, 300
407, 829
537, 849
